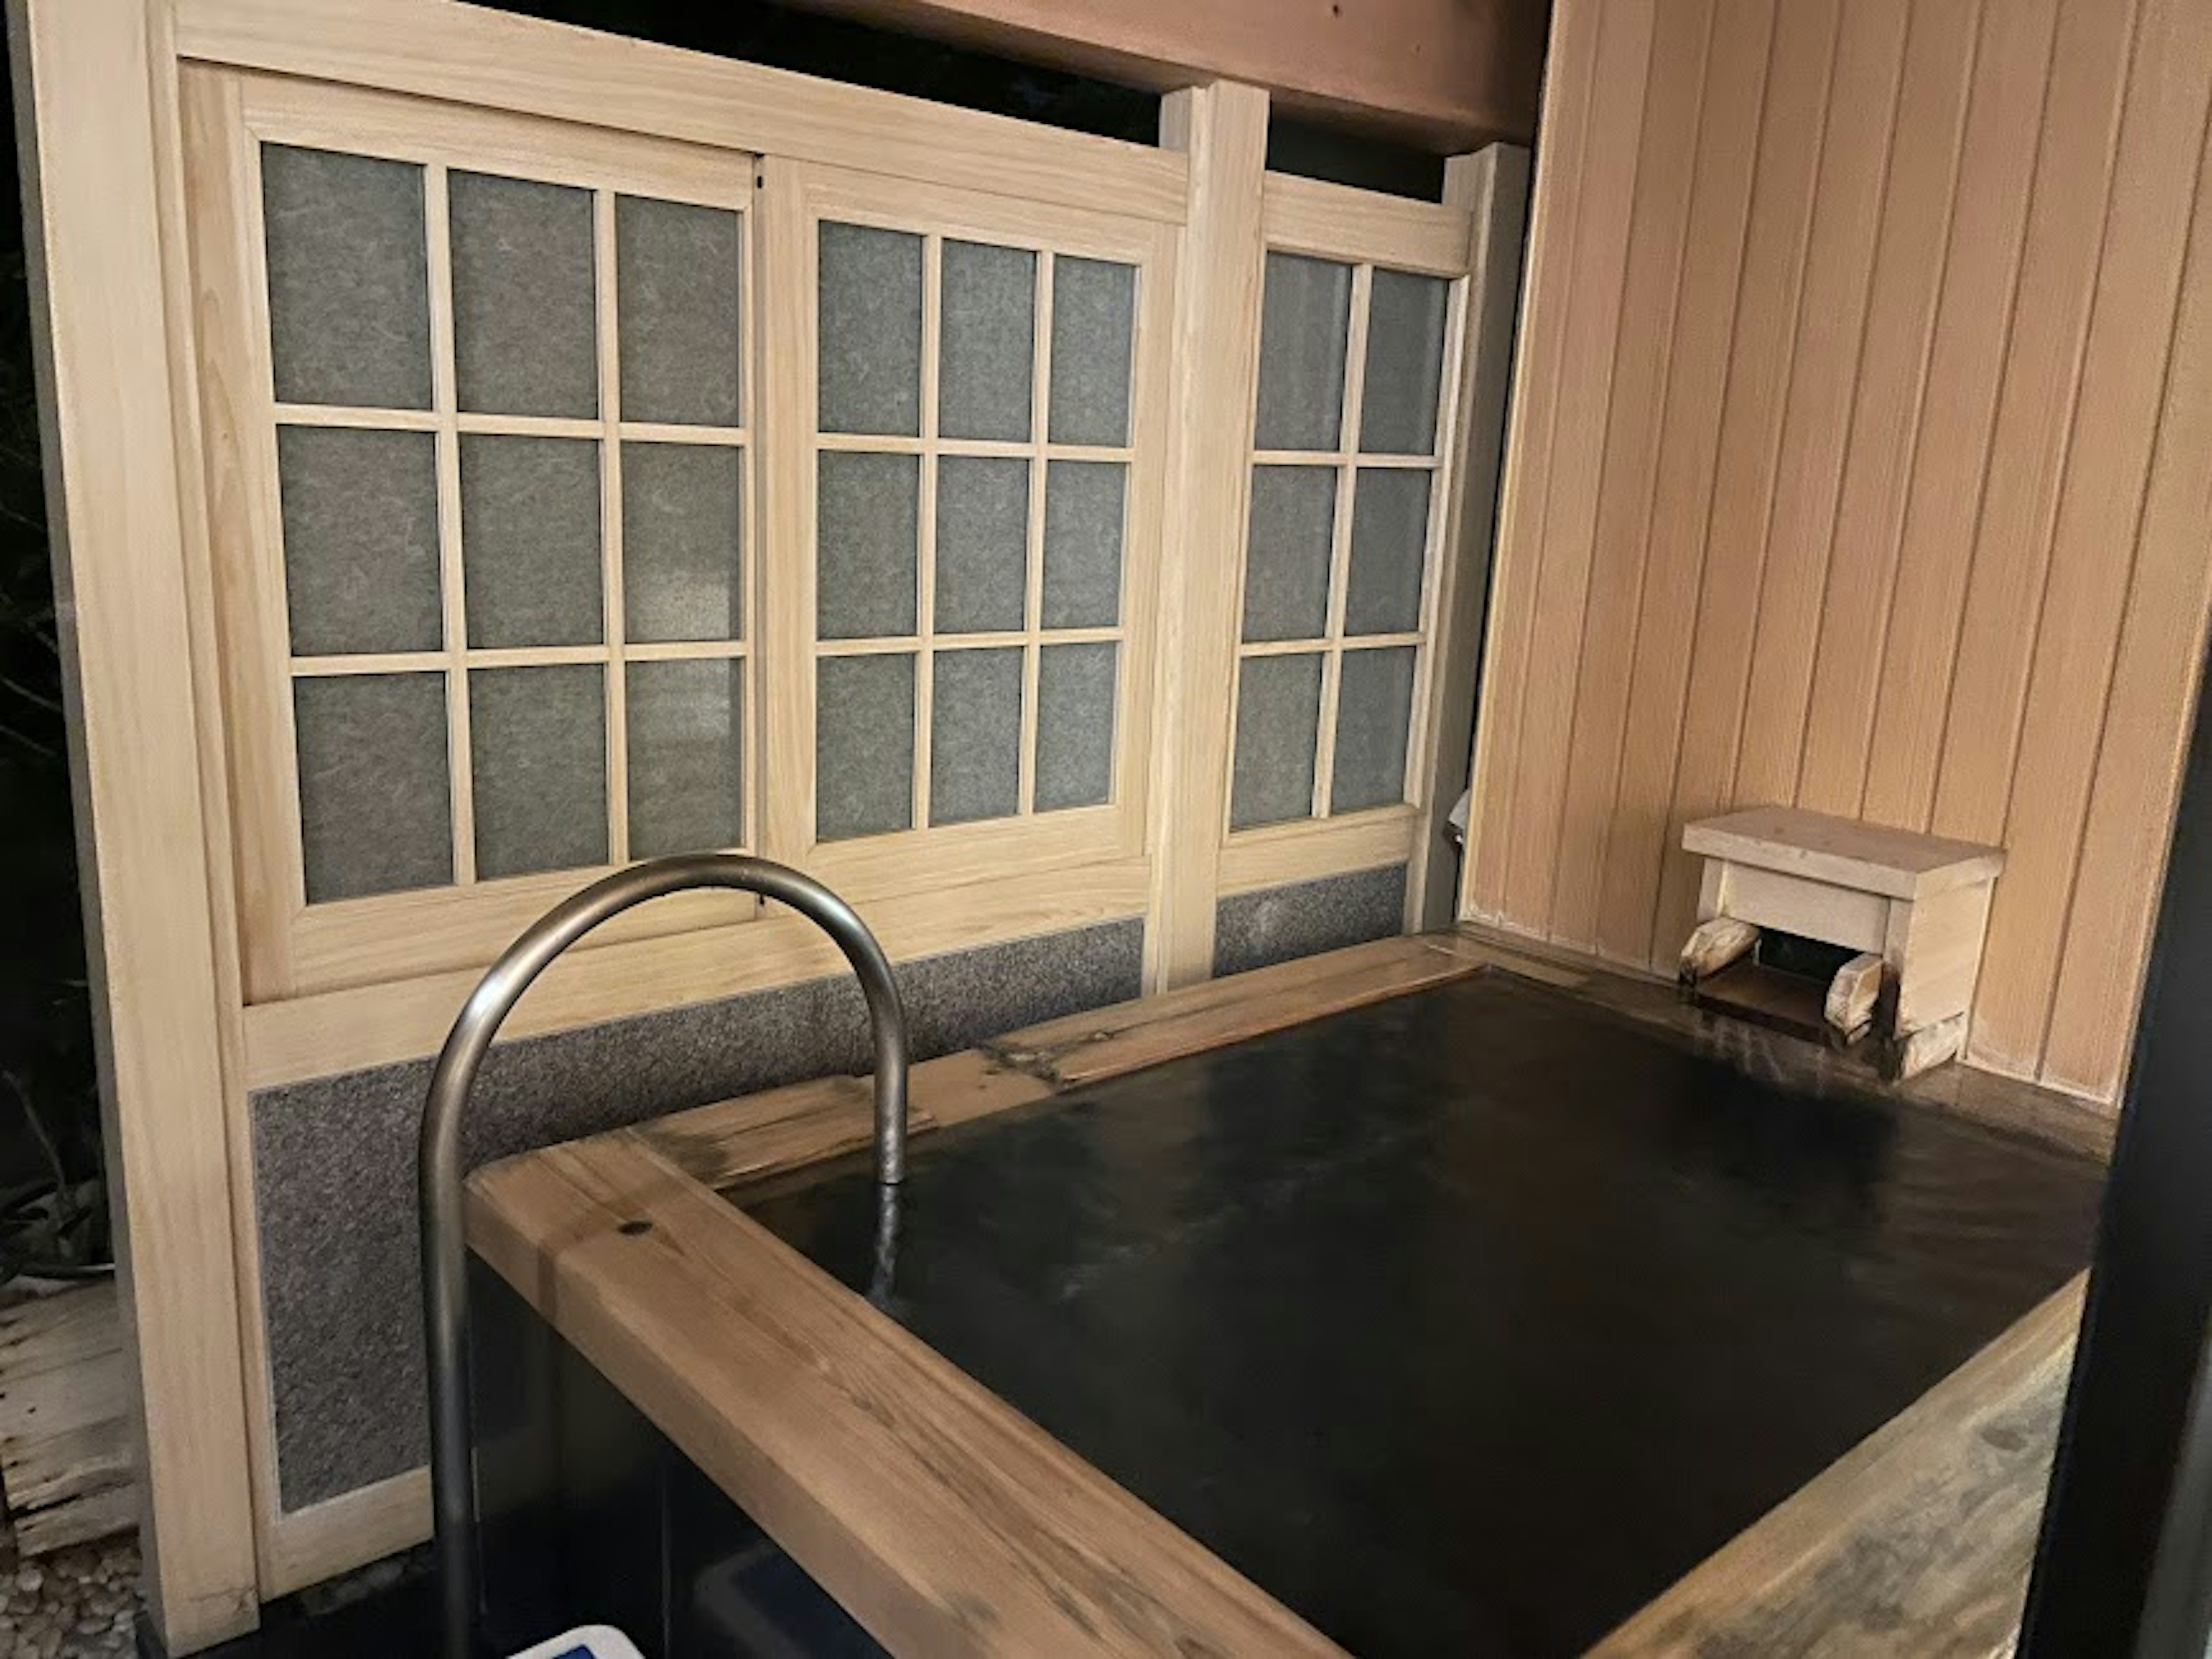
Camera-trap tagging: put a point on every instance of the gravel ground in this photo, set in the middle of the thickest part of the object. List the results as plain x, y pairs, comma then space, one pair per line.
77, 1603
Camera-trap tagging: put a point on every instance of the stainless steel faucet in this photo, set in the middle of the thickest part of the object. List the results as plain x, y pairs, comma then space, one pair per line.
444, 1246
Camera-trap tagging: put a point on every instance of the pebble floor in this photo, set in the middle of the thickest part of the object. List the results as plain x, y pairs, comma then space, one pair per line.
77, 1603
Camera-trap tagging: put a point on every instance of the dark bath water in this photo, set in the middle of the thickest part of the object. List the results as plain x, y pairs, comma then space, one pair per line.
1467, 1322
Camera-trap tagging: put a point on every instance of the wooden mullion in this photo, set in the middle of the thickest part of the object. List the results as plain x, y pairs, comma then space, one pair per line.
452, 583
1033, 552
616, 690
924, 599
1339, 555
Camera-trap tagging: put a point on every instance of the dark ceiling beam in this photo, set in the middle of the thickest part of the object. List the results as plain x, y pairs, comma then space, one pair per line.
1448, 75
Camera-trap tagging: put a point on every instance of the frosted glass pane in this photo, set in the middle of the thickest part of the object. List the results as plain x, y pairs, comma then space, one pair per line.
868, 560
1389, 542
982, 543
1075, 725
987, 342
361, 539
682, 510
524, 306
1292, 524
1405, 363
869, 320
538, 753
686, 723
1094, 317
1373, 712
375, 802
349, 278
1083, 502
678, 307
975, 736
530, 540
1278, 731
1305, 317
863, 746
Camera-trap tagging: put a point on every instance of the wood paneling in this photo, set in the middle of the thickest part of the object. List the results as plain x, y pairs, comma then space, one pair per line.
1858, 462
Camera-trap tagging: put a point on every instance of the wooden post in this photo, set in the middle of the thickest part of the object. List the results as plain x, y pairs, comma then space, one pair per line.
1493, 185
1223, 128
87, 147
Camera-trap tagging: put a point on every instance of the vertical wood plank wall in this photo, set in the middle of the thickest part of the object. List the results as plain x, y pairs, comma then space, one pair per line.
1861, 458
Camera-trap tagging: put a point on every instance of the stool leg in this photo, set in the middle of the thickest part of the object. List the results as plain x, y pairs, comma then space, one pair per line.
1852, 994
1713, 946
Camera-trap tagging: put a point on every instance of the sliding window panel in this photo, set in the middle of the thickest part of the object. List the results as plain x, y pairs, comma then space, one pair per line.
988, 342
864, 743
375, 802
1077, 687
359, 518
685, 727
1094, 312
679, 311
869, 291
525, 300
867, 545
1289, 533
1278, 737
982, 544
537, 741
683, 514
1389, 548
349, 279
1374, 719
1402, 390
529, 539
976, 735
1305, 321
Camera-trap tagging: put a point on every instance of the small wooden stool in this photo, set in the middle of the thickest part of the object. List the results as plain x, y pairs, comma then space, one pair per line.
1915, 907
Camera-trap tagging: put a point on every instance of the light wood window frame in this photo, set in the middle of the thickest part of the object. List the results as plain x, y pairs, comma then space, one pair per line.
290, 946
1366, 231
798, 198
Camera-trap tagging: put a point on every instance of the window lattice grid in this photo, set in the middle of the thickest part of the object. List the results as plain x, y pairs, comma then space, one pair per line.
1338, 581
962, 615
670, 559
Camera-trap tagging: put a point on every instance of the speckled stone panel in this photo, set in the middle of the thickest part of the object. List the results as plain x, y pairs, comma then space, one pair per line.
334, 1161
1276, 924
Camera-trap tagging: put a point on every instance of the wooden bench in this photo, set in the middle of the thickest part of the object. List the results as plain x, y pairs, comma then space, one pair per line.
1913, 907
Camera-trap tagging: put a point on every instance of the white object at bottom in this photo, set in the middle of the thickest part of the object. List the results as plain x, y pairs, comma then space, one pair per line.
585, 1642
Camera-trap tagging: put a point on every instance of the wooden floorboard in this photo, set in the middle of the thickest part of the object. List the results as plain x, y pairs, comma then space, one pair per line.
65, 1458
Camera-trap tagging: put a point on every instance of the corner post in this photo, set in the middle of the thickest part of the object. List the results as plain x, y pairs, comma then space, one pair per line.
1223, 128
89, 150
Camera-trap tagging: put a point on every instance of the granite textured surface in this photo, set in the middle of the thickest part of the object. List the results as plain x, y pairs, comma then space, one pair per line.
1251, 930
334, 1161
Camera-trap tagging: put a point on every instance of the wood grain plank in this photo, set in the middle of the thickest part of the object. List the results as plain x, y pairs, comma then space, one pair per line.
1554, 223
1887, 423
1704, 321
1657, 243
2147, 716
66, 1464
1847, 198
1222, 132
1567, 519
2029, 446
1919, 1540
940, 1516
1761, 361
2100, 516
1974, 323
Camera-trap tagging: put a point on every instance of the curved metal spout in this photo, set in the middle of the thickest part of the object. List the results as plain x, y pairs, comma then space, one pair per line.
444, 1250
